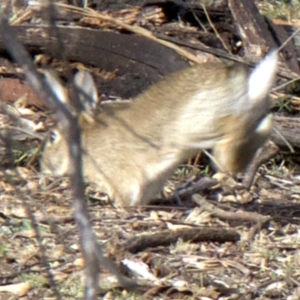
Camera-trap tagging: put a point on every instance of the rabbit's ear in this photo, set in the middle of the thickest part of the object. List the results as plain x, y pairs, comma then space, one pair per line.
262, 77
88, 91
56, 86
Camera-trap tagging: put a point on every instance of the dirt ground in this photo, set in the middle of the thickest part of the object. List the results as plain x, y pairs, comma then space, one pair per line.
228, 242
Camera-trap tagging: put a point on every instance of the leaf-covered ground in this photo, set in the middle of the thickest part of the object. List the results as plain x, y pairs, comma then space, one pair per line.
229, 243
231, 259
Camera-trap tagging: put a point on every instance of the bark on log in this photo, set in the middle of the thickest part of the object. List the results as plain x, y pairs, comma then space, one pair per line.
290, 130
131, 56
252, 27
260, 35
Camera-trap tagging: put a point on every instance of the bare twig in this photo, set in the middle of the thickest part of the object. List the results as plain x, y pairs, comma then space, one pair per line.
214, 28
194, 235
226, 215
136, 29
289, 39
90, 249
285, 84
19, 54
263, 155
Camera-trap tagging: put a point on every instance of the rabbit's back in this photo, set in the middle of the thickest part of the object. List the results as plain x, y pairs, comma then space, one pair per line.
130, 151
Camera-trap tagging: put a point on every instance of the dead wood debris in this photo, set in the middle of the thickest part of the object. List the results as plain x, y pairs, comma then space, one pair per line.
207, 259
193, 235
231, 216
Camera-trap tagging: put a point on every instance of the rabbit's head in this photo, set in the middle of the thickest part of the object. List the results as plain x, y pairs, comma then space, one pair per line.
244, 133
55, 159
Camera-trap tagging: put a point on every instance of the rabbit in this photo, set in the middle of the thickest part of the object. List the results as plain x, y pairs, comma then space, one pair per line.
130, 150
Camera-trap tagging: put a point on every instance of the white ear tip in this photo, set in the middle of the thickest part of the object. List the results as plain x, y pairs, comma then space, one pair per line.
268, 64
55, 86
84, 81
82, 77
262, 77
50, 78
271, 60
273, 54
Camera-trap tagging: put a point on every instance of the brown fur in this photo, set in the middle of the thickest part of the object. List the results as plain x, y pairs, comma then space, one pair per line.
131, 151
